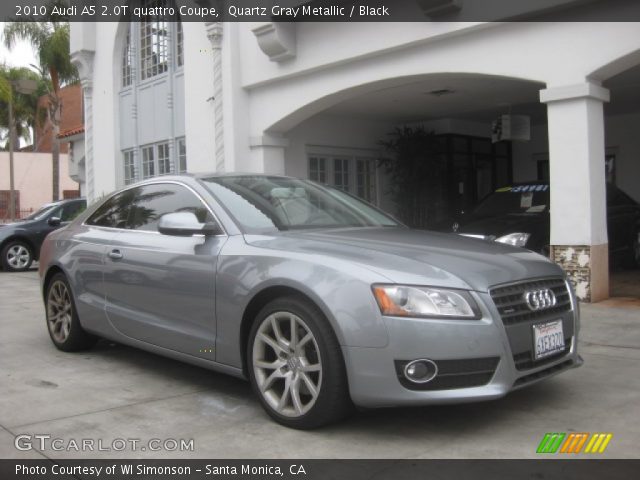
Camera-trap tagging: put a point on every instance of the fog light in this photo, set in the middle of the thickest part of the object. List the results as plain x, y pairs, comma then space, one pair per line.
420, 371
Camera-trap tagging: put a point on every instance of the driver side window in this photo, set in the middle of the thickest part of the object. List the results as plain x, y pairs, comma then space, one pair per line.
114, 213
153, 201
70, 211
56, 213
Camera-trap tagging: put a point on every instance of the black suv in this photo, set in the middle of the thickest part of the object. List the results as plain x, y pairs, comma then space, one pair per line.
20, 241
519, 215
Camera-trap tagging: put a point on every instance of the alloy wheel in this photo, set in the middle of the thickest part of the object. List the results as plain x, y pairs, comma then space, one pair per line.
18, 257
59, 311
287, 364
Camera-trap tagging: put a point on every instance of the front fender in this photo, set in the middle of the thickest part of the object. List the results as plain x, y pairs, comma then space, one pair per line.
342, 292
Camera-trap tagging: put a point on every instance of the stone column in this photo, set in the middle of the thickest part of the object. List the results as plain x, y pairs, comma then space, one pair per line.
214, 34
578, 186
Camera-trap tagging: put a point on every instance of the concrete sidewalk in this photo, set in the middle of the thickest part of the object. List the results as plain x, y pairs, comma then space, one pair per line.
116, 392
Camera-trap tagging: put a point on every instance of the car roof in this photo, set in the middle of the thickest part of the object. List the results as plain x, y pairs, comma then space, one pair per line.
63, 201
237, 174
546, 182
201, 176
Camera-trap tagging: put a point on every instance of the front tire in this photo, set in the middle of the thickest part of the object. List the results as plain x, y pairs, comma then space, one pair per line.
295, 365
16, 256
63, 323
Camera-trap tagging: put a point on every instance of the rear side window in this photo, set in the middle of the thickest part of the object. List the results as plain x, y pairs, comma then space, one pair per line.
114, 213
153, 201
141, 208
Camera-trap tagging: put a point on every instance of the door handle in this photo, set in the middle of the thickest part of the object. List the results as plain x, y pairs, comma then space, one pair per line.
115, 254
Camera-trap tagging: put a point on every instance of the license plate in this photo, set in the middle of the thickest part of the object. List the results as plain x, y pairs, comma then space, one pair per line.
548, 339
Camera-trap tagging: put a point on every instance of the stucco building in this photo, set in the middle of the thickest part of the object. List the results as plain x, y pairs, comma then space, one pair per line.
33, 182
313, 100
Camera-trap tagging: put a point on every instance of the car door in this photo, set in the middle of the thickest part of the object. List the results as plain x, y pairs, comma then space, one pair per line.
160, 289
86, 259
39, 231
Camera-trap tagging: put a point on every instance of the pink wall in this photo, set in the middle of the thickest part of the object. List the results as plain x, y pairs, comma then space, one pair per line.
32, 176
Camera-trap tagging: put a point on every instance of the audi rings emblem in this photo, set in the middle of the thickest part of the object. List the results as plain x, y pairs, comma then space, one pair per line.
540, 299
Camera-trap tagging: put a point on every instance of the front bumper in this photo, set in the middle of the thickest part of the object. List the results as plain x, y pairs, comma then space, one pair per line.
457, 345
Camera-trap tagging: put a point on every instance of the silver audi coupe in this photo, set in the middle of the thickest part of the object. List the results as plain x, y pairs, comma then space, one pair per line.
319, 299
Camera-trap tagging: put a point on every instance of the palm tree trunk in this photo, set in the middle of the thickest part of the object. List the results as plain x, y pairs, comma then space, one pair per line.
55, 130
55, 160
14, 137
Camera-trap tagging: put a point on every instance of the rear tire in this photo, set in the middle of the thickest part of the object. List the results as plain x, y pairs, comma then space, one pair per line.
16, 256
63, 323
295, 365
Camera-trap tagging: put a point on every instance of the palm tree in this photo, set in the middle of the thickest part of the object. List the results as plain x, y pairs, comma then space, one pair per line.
5, 88
25, 115
51, 41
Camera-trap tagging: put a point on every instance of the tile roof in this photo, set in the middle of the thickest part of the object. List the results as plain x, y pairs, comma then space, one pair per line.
71, 131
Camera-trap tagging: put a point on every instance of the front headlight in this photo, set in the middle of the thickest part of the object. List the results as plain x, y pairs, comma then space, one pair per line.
410, 301
516, 239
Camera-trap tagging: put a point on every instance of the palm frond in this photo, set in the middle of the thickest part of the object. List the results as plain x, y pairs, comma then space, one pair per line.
5, 89
35, 33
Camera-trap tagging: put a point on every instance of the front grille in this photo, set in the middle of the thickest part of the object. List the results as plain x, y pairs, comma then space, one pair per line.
509, 300
452, 374
525, 361
518, 319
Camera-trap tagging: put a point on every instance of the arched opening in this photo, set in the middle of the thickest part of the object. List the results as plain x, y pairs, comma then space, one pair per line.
337, 139
150, 122
622, 164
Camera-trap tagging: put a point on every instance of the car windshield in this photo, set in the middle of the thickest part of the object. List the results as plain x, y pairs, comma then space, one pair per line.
518, 199
41, 212
262, 204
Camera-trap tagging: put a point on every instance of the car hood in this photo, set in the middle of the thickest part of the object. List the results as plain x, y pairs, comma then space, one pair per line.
19, 225
504, 224
417, 257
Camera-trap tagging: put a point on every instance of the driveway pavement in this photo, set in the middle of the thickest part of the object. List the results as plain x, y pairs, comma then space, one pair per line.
116, 392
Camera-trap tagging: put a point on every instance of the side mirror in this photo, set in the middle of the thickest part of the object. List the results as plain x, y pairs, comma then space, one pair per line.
185, 224
54, 222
